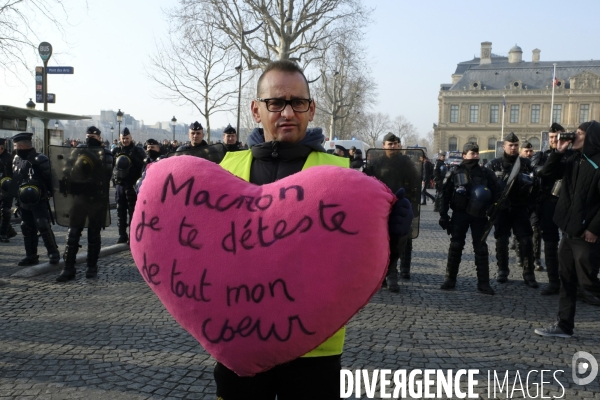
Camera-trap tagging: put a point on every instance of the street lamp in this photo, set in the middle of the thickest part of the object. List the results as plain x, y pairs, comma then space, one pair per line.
30, 105
174, 123
55, 124
120, 119
239, 69
112, 137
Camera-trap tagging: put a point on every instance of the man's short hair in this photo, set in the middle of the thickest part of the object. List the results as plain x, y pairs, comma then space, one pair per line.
390, 137
283, 66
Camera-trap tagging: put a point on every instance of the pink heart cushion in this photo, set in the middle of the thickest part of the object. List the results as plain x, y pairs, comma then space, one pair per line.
260, 275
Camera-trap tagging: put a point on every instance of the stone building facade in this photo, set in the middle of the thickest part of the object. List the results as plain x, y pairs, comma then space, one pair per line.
471, 107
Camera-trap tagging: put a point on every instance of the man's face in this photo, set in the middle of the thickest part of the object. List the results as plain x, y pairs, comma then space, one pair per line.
93, 136
442, 157
351, 152
166, 142
471, 155
287, 125
510, 148
229, 138
391, 146
552, 139
126, 140
196, 137
339, 152
579, 138
154, 147
527, 153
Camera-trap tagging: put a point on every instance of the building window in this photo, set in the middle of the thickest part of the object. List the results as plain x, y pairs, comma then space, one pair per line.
452, 144
535, 142
472, 139
474, 118
535, 114
494, 111
584, 113
454, 113
514, 114
556, 113
492, 143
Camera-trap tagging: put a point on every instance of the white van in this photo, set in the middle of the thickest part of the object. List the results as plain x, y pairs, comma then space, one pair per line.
330, 146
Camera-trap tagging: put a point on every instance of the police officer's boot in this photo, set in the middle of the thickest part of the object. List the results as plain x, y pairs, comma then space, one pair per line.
502, 257
94, 243
122, 223
551, 255
70, 255
483, 274
392, 280
6, 231
30, 240
528, 267
537, 248
406, 259
50, 243
454, 255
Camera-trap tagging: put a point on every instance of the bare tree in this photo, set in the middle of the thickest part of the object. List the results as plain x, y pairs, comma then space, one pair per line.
344, 88
289, 29
405, 130
196, 68
17, 34
374, 125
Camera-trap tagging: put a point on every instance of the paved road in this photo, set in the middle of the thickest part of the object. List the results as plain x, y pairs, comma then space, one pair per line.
112, 339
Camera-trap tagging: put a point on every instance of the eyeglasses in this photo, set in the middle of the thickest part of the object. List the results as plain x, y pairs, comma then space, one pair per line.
278, 105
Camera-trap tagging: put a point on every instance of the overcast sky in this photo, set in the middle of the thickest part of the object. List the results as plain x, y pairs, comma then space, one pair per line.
413, 48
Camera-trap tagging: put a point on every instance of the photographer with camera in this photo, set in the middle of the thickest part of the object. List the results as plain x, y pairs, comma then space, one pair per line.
578, 217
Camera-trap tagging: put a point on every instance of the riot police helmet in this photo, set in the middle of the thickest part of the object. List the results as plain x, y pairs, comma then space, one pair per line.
29, 194
479, 200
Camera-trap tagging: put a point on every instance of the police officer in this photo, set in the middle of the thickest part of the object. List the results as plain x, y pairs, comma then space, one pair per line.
196, 135
87, 176
31, 173
439, 173
6, 200
396, 170
128, 165
515, 214
230, 139
545, 207
470, 191
153, 151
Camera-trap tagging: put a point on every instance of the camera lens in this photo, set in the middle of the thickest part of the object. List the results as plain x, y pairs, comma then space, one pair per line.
568, 136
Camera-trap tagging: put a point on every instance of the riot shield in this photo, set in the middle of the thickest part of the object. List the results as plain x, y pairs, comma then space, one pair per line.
214, 152
502, 200
80, 187
399, 169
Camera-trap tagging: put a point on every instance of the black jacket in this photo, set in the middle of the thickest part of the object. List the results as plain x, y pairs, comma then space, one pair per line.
477, 175
189, 146
40, 164
545, 184
578, 207
6, 160
504, 164
439, 172
137, 156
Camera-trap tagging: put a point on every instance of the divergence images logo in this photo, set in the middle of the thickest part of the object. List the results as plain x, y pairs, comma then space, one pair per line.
581, 364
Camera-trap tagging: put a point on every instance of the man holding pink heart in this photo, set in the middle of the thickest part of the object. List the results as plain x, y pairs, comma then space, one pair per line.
284, 146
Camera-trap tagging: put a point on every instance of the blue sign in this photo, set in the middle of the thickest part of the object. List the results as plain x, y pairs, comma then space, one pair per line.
60, 70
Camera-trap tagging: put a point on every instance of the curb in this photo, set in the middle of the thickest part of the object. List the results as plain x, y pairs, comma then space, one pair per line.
44, 268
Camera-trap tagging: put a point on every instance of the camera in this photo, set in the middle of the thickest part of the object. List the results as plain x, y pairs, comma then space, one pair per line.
568, 136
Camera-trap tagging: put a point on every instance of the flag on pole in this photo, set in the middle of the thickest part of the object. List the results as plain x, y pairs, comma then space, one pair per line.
504, 103
554, 78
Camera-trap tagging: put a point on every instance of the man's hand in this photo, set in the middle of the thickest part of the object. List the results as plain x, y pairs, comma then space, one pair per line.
401, 216
589, 237
562, 145
444, 221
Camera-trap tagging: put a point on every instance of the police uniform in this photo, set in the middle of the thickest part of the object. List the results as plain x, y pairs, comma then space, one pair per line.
152, 155
87, 176
439, 173
194, 126
6, 200
395, 172
32, 176
469, 190
514, 215
128, 165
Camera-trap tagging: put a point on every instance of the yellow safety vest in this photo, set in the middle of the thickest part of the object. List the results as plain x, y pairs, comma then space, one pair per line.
239, 163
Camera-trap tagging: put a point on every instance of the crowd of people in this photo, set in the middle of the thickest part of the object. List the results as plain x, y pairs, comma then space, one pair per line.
507, 192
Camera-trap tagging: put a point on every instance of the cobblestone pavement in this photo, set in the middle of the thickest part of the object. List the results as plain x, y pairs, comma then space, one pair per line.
112, 339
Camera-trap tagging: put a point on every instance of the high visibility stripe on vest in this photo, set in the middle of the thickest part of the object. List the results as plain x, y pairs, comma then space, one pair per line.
239, 163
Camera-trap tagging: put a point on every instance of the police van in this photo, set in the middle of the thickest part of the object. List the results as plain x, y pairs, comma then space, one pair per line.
330, 146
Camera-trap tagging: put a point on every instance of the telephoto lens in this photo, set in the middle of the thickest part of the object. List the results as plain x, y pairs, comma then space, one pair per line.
568, 136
